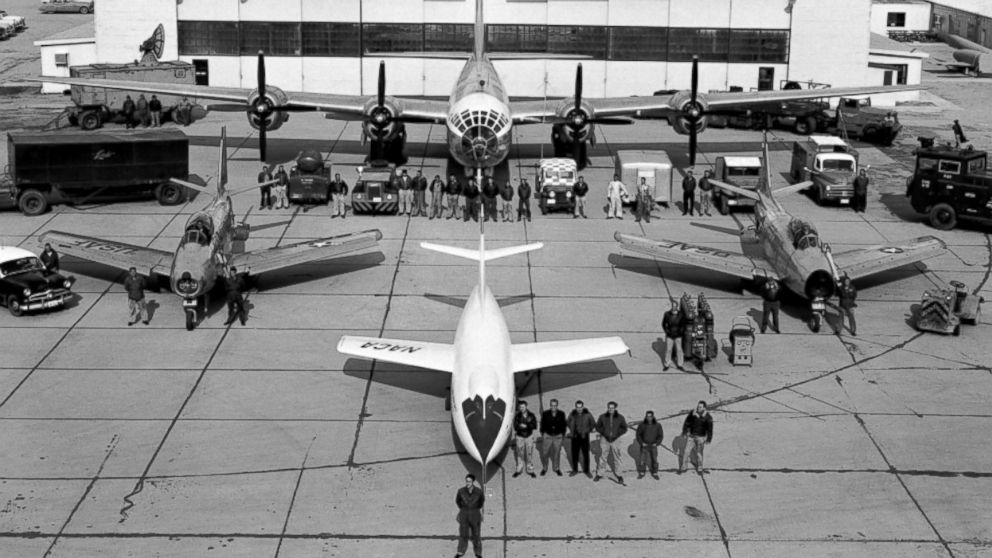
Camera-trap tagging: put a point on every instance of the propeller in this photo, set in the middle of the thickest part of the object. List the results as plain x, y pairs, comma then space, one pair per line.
693, 111
264, 107
380, 116
577, 119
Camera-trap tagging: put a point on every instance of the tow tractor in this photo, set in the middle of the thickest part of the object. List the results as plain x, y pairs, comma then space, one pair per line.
944, 310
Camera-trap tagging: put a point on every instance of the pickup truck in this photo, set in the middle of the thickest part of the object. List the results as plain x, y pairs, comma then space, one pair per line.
830, 163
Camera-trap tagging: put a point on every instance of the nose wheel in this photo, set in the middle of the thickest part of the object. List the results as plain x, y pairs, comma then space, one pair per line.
816, 321
190, 319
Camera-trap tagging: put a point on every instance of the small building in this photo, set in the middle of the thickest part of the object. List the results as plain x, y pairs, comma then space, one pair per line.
76, 46
893, 63
900, 16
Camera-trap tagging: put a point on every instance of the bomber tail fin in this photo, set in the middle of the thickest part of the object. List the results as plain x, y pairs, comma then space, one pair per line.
479, 49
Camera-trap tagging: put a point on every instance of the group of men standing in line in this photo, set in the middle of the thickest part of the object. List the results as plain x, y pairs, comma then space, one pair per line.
578, 426
148, 112
452, 199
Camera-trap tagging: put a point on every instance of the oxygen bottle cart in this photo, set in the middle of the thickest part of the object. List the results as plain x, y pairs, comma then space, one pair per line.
742, 340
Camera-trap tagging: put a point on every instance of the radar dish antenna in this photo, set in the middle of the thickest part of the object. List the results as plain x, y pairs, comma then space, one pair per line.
151, 48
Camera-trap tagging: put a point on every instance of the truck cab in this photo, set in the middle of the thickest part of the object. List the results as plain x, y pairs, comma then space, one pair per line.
861, 120
949, 184
830, 163
743, 172
555, 178
309, 179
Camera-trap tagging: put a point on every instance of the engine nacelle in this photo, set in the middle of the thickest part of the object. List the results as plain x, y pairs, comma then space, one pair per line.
380, 121
577, 128
262, 104
681, 102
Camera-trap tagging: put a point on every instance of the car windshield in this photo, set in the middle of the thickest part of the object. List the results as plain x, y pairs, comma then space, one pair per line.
743, 171
21, 265
838, 164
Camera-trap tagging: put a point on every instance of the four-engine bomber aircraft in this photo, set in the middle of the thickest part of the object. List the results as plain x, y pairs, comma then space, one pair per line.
792, 249
479, 113
482, 361
207, 249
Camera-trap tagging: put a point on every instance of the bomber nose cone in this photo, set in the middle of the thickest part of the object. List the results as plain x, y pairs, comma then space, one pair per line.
484, 419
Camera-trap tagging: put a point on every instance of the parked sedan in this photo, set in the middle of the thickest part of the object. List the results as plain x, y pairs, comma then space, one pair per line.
71, 6
25, 286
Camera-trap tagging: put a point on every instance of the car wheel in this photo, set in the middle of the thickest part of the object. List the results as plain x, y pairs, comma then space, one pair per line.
14, 306
169, 194
804, 126
943, 217
84, 10
32, 202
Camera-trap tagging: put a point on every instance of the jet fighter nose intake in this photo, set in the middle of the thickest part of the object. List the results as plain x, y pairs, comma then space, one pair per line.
820, 284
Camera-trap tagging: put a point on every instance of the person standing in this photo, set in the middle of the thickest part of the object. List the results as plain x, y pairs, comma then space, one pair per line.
705, 192
579, 191
471, 192
280, 188
235, 286
846, 294
50, 259
405, 187
523, 199
155, 106
553, 427
672, 328
184, 112
339, 191
615, 192
489, 194
420, 195
644, 202
860, 192
770, 304
958, 134
456, 203
524, 425
437, 197
580, 426
611, 426
506, 194
141, 111
128, 111
698, 431
688, 192
649, 437
134, 284
469, 500
265, 187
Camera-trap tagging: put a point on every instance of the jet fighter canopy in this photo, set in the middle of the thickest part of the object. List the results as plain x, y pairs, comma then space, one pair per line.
804, 234
199, 229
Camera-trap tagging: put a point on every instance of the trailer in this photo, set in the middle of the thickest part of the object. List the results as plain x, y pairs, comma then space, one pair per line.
655, 167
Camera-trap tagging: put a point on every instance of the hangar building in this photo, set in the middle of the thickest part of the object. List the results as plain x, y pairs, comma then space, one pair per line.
628, 46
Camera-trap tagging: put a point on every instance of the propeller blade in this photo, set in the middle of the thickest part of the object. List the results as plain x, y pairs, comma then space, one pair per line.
695, 77
261, 141
261, 72
381, 91
578, 87
692, 145
577, 152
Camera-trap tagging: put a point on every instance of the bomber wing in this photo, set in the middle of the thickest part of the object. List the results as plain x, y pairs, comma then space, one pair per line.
863, 262
679, 252
434, 356
270, 259
531, 356
120, 255
345, 107
529, 112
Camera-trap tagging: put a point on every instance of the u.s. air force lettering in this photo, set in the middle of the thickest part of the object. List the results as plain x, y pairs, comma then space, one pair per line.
380, 346
103, 246
692, 248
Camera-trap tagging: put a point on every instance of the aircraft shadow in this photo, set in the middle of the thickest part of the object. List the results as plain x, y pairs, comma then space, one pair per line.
698, 278
320, 270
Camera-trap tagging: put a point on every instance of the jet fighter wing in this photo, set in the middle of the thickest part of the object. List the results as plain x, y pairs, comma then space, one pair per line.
260, 261
115, 254
863, 262
344, 105
529, 112
531, 356
678, 252
423, 354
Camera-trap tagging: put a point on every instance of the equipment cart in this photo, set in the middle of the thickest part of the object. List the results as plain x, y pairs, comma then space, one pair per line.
742, 340
944, 310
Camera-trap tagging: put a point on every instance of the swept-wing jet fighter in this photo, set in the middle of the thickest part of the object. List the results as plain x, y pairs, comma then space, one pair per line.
792, 250
207, 249
482, 361
479, 114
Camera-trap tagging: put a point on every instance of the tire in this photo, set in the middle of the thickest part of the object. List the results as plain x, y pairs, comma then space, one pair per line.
84, 10
869, 132
814, 323
943, 217
817, 198
14, 306
32, 202
190, 319
957, 330
723, 206
170, 194
90, 120
74, 119
804, 126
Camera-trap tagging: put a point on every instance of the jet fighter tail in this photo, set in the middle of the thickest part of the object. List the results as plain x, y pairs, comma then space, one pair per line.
222, 164
482, 255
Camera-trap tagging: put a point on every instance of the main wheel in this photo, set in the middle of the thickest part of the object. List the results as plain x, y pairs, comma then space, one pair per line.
724, 206
815, 321
32, 202
169, 193
14, 306
190, 319
89, 120
943, 217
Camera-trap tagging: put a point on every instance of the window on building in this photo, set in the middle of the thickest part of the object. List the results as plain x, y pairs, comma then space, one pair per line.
578, 39
887, 77
208, 37
517, 38
330, 39
710, 45
274, 39
638, 43
392, 37
62, 59
448, 37
896, 19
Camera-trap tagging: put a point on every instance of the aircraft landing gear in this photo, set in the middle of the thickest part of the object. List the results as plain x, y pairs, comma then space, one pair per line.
190, 308
190, 319
819, 308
